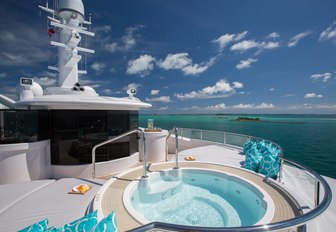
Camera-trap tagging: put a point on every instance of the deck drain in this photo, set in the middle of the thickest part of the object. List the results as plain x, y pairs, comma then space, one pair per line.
193, 219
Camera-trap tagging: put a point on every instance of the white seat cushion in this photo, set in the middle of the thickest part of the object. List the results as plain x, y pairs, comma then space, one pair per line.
52, 202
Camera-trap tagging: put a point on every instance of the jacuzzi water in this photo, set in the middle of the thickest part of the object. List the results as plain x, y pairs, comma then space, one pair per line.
198, 197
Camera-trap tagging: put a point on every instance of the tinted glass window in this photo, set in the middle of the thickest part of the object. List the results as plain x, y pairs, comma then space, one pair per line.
21, 126
75, 133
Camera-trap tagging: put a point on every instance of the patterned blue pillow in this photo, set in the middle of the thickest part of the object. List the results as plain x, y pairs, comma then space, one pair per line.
84, 224
52, 229
262, 146
269, 165
248, 145
108, 224
273, 149
37, 227
252, 159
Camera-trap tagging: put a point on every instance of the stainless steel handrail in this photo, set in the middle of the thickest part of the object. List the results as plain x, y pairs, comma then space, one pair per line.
169, 134
175, 131
320, 207
176, 149
114, 139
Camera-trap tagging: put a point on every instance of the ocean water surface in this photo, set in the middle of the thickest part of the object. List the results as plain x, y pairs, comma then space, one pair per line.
307, 139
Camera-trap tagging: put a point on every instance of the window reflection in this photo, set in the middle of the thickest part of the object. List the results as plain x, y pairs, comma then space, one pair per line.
72, 133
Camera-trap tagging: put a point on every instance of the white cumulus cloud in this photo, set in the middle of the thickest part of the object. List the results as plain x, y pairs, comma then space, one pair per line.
45, 81
329, 33
245, 63
244, 45
182, 62
295, 40
269, 45
127, 41
224, 40
159, 99
175, 61
273, 35
195, 69
221, 89
251, 44
313, 95
141, 66
155, 92
237, 85
253, 106
98, 67
103, 29
321, 76
313, 106
220, 106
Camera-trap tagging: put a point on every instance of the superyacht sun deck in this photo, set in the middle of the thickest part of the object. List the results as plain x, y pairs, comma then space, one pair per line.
55, 142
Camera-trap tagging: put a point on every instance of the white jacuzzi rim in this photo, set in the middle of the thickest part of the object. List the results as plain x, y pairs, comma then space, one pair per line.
139, 217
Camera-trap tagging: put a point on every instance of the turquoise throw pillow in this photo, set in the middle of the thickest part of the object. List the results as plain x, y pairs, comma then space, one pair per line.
37, 227
252, 159
84, 224
269, 165
273, 149
248, 145
108, 224
262, 146
52, 229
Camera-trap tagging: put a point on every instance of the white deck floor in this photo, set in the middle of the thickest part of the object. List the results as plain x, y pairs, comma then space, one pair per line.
214, 154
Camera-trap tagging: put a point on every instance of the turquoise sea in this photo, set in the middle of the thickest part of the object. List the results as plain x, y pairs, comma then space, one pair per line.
307, 139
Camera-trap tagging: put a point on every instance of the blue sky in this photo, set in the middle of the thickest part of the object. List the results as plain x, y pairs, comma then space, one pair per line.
189, 56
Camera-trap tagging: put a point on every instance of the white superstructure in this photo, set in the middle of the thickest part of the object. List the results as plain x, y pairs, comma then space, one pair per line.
67, 25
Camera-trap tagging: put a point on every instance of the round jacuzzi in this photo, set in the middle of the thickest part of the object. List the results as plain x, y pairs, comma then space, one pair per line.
198, 197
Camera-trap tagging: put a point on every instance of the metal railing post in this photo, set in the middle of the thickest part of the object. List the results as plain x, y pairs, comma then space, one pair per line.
317, 193
169, 134
176, 149
281, 169
145, 156
224, 138
93, 163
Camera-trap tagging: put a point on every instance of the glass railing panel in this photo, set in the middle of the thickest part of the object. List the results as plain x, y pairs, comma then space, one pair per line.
196, 134
213, 136
300, 182
236, 139
184, 133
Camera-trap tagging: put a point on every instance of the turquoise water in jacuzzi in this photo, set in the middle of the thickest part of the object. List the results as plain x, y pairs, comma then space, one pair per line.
200, 198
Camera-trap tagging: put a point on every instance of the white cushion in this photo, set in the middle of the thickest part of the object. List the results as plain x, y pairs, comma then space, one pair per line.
52, 202
14, 169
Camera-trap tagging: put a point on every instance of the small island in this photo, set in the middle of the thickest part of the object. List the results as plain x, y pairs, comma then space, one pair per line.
247, 119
